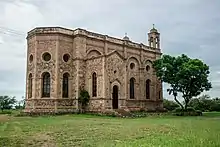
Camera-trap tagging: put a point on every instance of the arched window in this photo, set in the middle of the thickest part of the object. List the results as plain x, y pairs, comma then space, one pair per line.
132, 88
148, 89
46, 84
30, 85
65, 85
94, 85
151, 41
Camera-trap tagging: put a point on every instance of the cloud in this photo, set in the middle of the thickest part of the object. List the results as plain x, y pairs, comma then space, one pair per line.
1, 40
189, 27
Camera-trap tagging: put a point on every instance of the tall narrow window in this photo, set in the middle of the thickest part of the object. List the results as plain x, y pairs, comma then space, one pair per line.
94, 85
151, 41
148, 89
65, 85
46, 85
132, 88
30, 85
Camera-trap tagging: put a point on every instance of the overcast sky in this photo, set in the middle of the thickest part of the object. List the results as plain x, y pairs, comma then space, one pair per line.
186, 26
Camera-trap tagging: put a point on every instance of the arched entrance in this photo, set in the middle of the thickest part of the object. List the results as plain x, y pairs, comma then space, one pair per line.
115, 97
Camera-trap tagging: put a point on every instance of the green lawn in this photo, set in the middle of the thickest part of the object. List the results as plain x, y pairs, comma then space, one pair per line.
86, 130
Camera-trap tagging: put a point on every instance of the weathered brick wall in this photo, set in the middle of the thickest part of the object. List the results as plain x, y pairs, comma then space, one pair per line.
66, 48
96, 105
112, 47
94, 65
134, 73
147, 105
115, 75
109, 57
94, 45
66, 105
46, 44
50, 105
31, 63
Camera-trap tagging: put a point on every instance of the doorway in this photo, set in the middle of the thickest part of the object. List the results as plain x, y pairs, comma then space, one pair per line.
115, 97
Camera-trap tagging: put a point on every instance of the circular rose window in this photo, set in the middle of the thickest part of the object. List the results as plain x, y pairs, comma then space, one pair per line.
31, 58
66, 57
46, 56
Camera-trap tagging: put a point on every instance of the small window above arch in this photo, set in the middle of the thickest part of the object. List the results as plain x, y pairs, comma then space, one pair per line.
147, 68
31, 58
132, 65
66, 57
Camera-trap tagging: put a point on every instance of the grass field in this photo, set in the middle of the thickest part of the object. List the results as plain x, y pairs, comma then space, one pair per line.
87, 130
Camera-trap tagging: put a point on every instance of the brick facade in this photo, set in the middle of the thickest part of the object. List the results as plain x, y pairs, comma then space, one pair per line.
79, 54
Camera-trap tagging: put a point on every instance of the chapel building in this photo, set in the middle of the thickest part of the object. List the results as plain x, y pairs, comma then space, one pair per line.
117, 73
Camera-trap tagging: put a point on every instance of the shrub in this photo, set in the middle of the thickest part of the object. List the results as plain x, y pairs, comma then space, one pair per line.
178, 110
6, 112
205, 103
169, 105
199, 112
188, 112
83, 99
190, 109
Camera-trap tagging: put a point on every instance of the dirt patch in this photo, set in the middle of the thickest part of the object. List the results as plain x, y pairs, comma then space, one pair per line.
4, 118
41, 139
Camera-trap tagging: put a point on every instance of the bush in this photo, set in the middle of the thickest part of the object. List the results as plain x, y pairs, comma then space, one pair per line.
199, 113
215, 107
83, 100
205, 103
190, 109
188, 112
169, 105
178, 110
6, 112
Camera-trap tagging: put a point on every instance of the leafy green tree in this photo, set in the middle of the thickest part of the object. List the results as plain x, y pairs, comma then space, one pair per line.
20, 104
6, 102
186, 76
205, 103
193, 79
216, 105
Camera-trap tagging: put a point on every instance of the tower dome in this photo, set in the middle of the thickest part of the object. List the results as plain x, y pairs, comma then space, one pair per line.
153, 30
126, 37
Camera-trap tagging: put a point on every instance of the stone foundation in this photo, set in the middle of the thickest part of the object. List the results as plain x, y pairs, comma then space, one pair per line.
50, 105
145, 105
95, 105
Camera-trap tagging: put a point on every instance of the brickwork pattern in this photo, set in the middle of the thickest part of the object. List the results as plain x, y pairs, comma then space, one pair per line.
110, 58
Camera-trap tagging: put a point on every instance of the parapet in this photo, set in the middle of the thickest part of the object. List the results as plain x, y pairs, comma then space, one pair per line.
88, 34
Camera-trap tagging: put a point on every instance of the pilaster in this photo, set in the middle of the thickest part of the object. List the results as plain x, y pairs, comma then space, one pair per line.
56, 72
35, 70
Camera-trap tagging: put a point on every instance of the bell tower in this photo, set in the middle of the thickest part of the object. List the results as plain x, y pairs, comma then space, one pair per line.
154, 38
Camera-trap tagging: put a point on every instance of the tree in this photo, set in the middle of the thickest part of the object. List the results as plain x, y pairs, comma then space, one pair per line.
184, 75
20, 104
6, 102
83, 99
205, 103
193, 79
